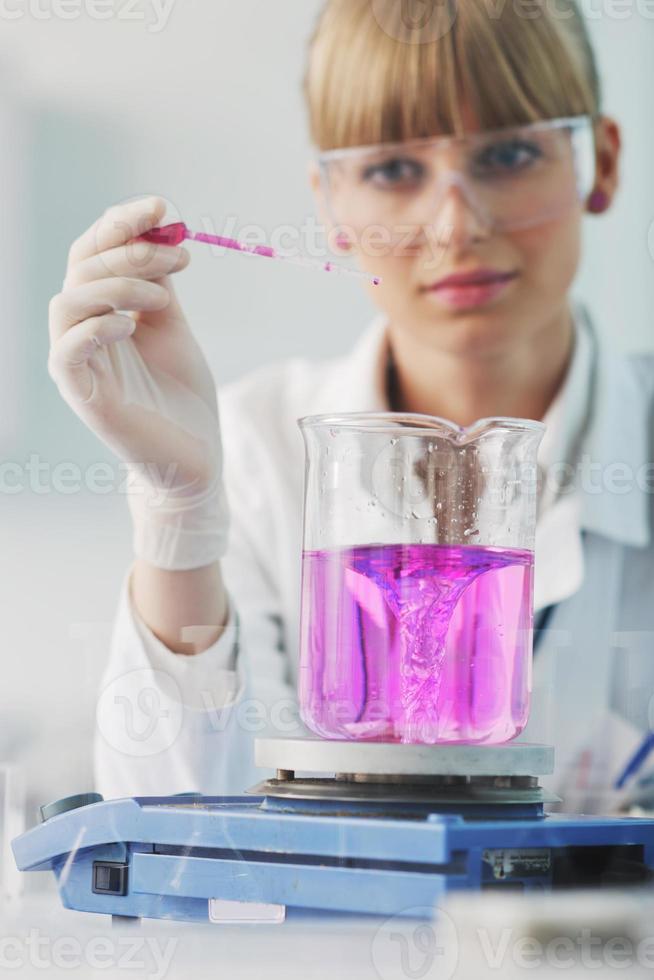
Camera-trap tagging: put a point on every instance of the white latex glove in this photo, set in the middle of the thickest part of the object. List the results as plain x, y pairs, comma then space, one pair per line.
139, 380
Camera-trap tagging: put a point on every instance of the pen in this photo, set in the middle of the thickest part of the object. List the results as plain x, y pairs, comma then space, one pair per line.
637, 759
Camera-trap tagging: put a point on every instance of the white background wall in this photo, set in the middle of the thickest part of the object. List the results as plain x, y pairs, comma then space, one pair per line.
207, 112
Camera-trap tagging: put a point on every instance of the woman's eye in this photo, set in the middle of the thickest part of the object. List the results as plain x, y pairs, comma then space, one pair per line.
396, 173
508, 157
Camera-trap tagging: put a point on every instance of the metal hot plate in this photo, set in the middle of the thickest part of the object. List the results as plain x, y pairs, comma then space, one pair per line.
390, 759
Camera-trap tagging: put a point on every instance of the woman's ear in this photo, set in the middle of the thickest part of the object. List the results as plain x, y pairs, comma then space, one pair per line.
608, 146
337, 238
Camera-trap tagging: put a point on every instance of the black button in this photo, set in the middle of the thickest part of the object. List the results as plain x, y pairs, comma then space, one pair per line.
109, 878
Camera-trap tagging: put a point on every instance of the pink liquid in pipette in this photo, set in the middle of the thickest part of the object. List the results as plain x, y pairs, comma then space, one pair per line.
178, 232
416, 643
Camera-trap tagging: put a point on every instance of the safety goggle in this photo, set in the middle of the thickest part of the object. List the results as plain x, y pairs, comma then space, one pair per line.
511, 178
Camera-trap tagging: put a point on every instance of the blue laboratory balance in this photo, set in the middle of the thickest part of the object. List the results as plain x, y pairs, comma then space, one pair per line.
364, 828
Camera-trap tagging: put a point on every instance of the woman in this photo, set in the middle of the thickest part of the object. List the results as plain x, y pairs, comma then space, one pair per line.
478, 243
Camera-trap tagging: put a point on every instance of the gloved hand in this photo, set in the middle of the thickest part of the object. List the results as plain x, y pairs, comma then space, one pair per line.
139, 380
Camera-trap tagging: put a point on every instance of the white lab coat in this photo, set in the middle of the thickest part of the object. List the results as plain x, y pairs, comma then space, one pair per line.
169, 724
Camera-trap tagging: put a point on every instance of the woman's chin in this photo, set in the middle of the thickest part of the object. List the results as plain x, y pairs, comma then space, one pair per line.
478, 334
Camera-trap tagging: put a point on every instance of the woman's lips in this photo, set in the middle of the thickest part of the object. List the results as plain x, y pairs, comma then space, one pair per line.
466, 290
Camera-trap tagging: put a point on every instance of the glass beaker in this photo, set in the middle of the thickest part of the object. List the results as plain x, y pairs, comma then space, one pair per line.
417, 577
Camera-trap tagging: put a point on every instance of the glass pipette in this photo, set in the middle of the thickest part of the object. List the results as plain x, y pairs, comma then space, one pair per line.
177, 233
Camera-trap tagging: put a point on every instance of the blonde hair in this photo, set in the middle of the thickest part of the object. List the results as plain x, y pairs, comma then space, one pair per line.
375, 77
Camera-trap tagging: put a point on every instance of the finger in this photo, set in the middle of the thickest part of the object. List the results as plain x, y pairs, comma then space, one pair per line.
69, 359
117, 226
137, 260
100, 297
171, 315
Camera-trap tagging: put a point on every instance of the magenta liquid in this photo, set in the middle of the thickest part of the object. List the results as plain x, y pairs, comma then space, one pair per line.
417, 643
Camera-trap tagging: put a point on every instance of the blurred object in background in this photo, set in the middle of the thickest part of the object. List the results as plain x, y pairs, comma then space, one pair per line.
12, 822
14, 166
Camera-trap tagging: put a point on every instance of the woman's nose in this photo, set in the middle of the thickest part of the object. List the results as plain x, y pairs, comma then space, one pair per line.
457, 218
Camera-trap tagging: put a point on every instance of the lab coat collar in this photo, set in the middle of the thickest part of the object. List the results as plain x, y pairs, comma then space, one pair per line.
566, 420
560, 565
